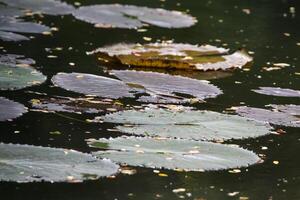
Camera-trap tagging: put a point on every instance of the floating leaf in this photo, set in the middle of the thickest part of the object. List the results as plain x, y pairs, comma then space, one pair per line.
188, 124
277, 91
74, 105
13, 77
174, 153
50, 7
164, 88
90, 84
175, 55
160, 87
25, 163
128, 16
22, 27
8, 36
272, 117
289, 109
10, 110
14, 59
10, 12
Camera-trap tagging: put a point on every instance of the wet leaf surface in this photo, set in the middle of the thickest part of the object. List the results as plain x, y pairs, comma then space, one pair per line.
173, 153
187, 124
12, 37
283, 117
129, 16
15, 73
174, 55
10, 110
25, 163
277, 91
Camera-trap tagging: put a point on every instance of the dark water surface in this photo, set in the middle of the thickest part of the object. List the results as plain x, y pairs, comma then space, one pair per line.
219, 22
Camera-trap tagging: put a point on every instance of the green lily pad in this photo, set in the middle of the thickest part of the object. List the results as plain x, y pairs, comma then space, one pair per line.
13, 77
90, 84
156, 87
187, 124
175, 55
25, 163
273, 117
277, 91
50, 7
10, 110
174, 154
129, 16
74, 105
164, 88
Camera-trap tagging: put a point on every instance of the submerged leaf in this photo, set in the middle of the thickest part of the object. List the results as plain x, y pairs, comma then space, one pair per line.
50, 7
25, 163
277, 91
13, 77
284, 118
128, 16
71, 105
180, 56
174, 154
187, 124
10, 110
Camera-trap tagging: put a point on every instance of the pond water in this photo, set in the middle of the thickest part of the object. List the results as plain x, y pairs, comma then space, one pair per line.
267, 28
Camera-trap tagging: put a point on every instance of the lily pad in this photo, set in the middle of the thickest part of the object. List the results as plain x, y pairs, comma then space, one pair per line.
90, 84
9, 36
175, 55
174, 154
156, 87
272, 117
50, 7
74, 105
187, 124
289, 109
129, 16
277, 91
25, 163
22, 27
15, 59
13, 77
10, 110
164, 88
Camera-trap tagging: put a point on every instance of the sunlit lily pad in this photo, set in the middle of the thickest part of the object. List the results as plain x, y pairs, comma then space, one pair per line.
198, 125
129, 16
74, 105
273, 117
175, 55
10, 110
90, 84
50, 7
25, 163
13, 77
156, 87
15, 59
289, 109
277, 91
10, 12
22, 27
174, 153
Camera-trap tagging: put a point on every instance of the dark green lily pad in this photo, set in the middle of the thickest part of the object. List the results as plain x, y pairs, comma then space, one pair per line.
50, 7
272, 117
90, 84
187, 124
74, 105
10, 110
25, 163
174, 154
13, 77
277, 91
175, 55
129, 16
164, 88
